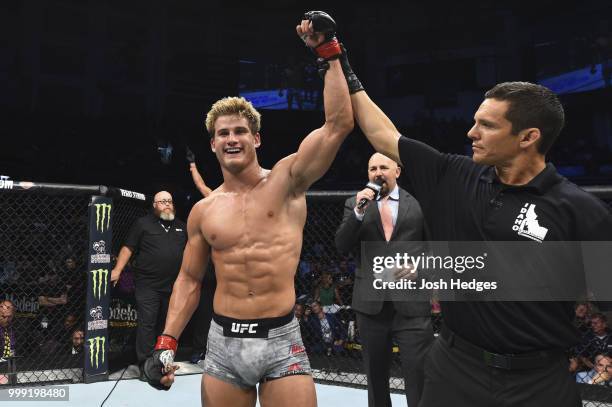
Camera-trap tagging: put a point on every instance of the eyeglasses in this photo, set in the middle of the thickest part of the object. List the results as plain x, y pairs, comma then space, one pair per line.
164, 202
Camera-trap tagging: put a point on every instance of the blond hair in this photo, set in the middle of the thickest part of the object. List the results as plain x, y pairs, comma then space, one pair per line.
230, 106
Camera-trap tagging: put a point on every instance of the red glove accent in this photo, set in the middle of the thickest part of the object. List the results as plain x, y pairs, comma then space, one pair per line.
329, 50
166, 342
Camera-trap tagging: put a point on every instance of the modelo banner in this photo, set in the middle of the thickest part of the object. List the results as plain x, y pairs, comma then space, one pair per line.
122, 321
98, 289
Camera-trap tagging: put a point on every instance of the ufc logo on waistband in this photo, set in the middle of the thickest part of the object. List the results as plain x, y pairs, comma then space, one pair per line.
242, 328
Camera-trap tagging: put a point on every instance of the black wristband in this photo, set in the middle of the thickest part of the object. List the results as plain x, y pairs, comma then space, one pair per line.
322, 67
354, 84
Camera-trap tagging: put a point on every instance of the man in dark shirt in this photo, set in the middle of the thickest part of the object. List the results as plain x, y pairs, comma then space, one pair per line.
598, 340
494, 353
328, 335
53, 302
157, 242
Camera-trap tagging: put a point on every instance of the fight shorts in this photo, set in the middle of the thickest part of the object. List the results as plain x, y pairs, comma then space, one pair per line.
247, 352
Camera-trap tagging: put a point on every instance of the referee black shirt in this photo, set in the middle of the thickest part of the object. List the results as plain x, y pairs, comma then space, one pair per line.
465, 201
158, 251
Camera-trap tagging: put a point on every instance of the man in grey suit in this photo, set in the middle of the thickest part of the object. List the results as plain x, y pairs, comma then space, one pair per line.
395, 216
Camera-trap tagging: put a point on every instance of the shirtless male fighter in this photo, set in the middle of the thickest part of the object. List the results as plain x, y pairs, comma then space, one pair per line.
252, 227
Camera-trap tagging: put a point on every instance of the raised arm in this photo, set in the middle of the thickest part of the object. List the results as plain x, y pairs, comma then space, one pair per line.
376, 126
198, 180
421, 161
319, 148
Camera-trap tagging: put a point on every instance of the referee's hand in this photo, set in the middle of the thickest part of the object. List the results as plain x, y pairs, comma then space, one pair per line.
115, 275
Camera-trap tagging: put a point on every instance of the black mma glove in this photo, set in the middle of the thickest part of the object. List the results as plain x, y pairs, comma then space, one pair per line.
323, 23
190, 156
160, 362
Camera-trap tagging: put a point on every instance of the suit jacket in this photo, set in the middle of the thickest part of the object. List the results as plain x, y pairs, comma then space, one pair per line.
335, 326
409, 226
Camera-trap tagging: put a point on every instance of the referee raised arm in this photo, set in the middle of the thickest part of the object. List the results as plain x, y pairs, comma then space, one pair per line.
496, 353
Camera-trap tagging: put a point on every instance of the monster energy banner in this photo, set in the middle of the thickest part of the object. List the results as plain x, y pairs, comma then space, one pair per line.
98, 291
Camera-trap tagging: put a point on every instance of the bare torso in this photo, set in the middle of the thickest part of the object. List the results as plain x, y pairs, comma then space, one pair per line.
256, 239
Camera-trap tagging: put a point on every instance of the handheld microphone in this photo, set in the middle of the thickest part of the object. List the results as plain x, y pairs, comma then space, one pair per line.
375, 186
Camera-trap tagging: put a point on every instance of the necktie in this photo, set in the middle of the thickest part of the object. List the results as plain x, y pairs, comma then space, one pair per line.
386, 218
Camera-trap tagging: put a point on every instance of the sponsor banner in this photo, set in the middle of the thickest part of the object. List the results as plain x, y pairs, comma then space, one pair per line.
98, 321
99, 282
101, 256
123, 313
97, 325
131, 194
96, 349
98, 289
5, 182
25, 304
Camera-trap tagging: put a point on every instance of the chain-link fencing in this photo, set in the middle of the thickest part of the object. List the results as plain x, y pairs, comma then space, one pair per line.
43, 278
327, 276
43, 260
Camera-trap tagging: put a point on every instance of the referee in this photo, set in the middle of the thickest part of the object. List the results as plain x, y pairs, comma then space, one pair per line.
496, 353
157, 242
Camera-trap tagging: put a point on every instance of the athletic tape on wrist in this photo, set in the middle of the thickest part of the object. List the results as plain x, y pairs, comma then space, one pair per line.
329, 49
166, 342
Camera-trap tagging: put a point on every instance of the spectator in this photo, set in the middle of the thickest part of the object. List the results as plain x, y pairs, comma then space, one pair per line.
70, 321
76, 283
302, 314
582, 319
77, 341
8, 272
345, 283
327, 333
600, 374
576, 363
597, 340
7, 334
326, 292
309, 273
69, 266
52, 302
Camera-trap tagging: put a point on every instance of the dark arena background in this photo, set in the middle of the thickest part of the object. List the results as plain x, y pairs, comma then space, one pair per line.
100, 101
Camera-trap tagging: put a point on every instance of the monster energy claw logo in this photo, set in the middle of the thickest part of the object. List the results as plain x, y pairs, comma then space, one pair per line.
99, 281
103, 212
95, 344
